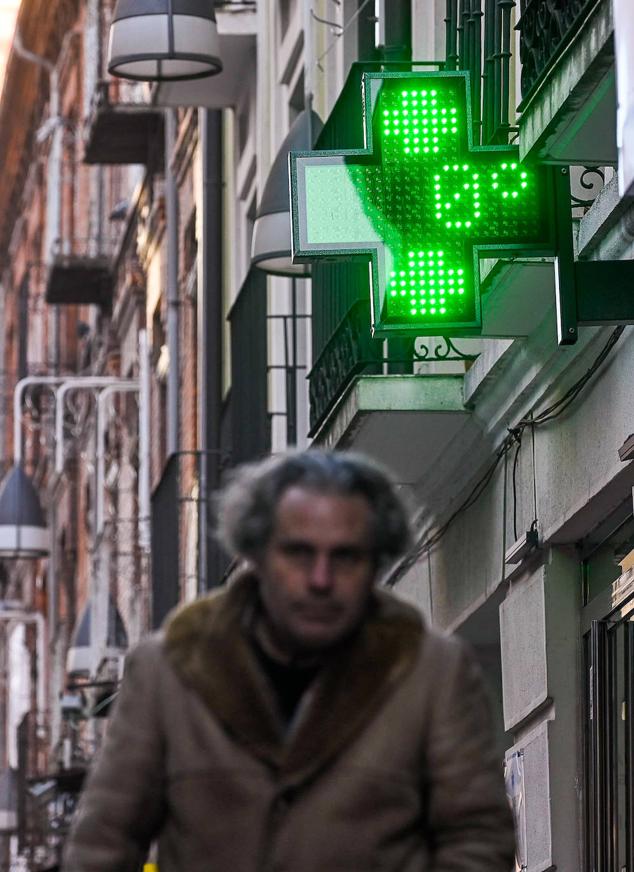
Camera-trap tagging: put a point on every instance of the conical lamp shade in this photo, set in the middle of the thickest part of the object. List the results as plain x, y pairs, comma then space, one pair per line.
8, 801
271, 247
23, 530
164, 40
79, 660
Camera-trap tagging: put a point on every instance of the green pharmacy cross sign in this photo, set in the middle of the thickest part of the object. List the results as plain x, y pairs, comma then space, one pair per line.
421, 203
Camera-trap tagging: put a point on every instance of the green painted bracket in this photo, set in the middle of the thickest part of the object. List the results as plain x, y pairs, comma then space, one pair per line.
605, 291
587, 292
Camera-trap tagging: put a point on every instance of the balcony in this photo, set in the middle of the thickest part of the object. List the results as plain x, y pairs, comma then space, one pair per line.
122, 128
81, 274
403, 407
350, 351
568, 82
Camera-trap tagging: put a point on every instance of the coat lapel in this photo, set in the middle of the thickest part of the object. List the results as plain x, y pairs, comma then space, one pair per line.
207, 646
351, 690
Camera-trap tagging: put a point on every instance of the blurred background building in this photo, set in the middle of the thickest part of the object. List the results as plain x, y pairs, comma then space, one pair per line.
154, 333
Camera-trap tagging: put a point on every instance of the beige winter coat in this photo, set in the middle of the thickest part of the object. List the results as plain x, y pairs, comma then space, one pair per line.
390, 768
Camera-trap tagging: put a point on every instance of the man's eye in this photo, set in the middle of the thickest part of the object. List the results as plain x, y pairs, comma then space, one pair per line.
297, 551
348, 556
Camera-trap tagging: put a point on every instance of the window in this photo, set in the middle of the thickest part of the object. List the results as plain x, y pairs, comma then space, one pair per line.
609, 744
608, 654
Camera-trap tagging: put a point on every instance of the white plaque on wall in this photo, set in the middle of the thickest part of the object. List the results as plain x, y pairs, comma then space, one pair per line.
624, 46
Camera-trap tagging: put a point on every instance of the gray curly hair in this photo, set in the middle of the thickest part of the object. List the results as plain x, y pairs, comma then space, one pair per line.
246, 506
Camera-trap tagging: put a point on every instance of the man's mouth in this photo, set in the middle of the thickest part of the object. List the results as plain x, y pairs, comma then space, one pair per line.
319, 613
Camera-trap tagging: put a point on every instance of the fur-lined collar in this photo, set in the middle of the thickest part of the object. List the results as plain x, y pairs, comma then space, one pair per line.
206, 645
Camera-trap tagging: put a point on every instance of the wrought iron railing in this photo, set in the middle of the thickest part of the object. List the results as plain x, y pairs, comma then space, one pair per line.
478, 40
546, 27
350, 351
118, 92
87, 247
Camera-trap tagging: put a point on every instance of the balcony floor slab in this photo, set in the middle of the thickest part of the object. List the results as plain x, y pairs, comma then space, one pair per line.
405, 421
570, 119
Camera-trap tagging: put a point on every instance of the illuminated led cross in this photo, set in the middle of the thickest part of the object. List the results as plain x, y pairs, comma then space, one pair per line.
420, 202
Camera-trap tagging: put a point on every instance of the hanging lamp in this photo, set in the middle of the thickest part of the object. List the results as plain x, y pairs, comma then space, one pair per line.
23, 530
164, 40
79, 659
271, 246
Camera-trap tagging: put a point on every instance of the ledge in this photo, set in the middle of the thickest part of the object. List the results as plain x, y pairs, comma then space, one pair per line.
566, 119
404, 420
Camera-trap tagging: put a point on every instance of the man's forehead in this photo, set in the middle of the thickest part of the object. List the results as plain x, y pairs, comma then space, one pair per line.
300, 504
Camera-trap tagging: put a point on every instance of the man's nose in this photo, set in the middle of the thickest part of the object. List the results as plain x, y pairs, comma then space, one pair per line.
321, 573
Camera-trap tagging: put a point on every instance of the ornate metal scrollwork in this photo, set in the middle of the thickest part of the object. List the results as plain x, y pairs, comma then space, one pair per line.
444, 350
582, 179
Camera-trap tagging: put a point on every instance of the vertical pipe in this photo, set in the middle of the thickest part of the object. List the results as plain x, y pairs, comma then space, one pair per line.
476, 15
451, 35
497, 69
293, 407
309, 59
598, 733
144, 443
505, 65
100, 458
51, 577
488, 83
210, 330
460, 35
54, 206
629, 740
171, 204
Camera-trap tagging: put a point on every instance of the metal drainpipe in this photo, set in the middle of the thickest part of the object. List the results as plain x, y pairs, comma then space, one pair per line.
92, 70
210, 333
171, 207
54, 175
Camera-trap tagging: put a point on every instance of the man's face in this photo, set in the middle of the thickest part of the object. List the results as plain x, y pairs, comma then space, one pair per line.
317, 571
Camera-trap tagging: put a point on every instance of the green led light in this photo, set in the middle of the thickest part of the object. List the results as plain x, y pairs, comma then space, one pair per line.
423, 158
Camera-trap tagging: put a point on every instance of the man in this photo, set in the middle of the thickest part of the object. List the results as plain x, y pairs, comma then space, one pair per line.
301, 720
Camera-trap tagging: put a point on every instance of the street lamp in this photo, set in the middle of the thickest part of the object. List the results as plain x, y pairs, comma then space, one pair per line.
84, 645
164, 40
271, 248
23, 530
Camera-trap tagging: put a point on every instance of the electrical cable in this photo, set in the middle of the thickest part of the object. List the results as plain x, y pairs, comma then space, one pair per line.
532, 426
345, 27
430, 539
514, 476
